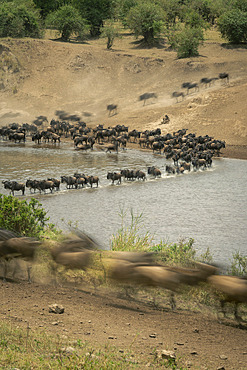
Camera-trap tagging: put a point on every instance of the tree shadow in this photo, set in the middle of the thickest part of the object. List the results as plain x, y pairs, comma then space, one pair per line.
234, 46
142, 44
71, 41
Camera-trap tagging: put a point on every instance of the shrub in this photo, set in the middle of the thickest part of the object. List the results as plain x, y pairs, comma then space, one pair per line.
146, 19
66, 20
129, 238
233, 26
176, 253
27, 219
18, 21
110, 32
238, 265
188, 41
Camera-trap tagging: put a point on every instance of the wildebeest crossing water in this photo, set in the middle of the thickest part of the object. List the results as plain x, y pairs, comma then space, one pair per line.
209, 206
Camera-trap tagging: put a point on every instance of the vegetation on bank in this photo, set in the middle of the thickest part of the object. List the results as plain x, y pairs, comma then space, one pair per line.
179, 23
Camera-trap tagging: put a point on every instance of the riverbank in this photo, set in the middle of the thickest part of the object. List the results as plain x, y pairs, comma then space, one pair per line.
133, 327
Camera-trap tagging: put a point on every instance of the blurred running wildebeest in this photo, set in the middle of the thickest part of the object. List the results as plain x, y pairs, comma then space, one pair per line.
147, 96
112, 108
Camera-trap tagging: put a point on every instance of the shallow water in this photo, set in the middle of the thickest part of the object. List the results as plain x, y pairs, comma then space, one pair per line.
209, 206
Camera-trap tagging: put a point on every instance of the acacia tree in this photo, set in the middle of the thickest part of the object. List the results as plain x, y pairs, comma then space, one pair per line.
233, 26
18, 20
146, 19
110, 32
67, 20
95, 12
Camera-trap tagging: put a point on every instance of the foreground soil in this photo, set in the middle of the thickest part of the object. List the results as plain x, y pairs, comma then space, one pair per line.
198, 338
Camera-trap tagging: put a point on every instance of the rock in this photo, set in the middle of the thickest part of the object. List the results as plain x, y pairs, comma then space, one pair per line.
54, 323
67, 350
193, 353
223, 357
164, 354
55, 308
152, 335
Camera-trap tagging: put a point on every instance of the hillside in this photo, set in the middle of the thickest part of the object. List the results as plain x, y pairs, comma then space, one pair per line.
38, 77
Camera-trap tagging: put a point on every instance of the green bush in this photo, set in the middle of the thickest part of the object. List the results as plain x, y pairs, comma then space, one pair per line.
19, 21
233, 26
130, 238
146, 19
188, 41
66, 20
176, 253
27, 219
238, 265
110, 32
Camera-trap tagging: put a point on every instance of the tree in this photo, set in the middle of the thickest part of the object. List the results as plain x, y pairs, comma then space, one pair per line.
49, 6
95, 12
19, 21
233, 26
173, 10
27, 219
110, 32
187, 42
67, 20
146, 19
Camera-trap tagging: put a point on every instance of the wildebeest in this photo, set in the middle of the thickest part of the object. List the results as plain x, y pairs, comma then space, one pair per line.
46, 184
191, 86
224, 76
112, 108
154, 171
70, 181
114, 176
93, 180
75, 251
170, 169
147, 96
14, 186
56, 183
234, 290
14, 246
32, 184
207, 81
112, 147
177, 94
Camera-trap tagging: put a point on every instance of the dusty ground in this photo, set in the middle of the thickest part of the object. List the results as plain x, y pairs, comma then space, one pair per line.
199, 339
39, 77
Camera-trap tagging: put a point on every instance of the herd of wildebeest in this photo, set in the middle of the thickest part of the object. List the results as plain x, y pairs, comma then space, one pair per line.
186, 151
141, 269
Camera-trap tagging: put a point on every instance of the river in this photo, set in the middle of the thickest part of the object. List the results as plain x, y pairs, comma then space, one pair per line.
209, 206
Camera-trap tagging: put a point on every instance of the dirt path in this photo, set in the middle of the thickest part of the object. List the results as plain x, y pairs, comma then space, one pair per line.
198, 339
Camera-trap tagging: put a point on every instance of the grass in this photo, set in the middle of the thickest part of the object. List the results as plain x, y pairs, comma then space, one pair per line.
28, 349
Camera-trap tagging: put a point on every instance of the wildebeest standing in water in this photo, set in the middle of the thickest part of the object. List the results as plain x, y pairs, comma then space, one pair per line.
112, 108
147, 96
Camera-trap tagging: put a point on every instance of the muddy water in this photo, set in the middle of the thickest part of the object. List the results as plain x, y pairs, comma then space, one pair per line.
209, 206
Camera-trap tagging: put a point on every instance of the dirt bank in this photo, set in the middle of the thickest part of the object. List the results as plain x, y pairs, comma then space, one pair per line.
42, 76
198, 339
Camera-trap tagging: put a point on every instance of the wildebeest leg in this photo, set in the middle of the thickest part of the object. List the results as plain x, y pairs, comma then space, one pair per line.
29, 268
236, 315
5, 271
222, 305
172, 301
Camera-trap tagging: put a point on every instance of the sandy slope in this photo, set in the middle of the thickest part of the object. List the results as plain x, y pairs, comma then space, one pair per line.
84, 78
